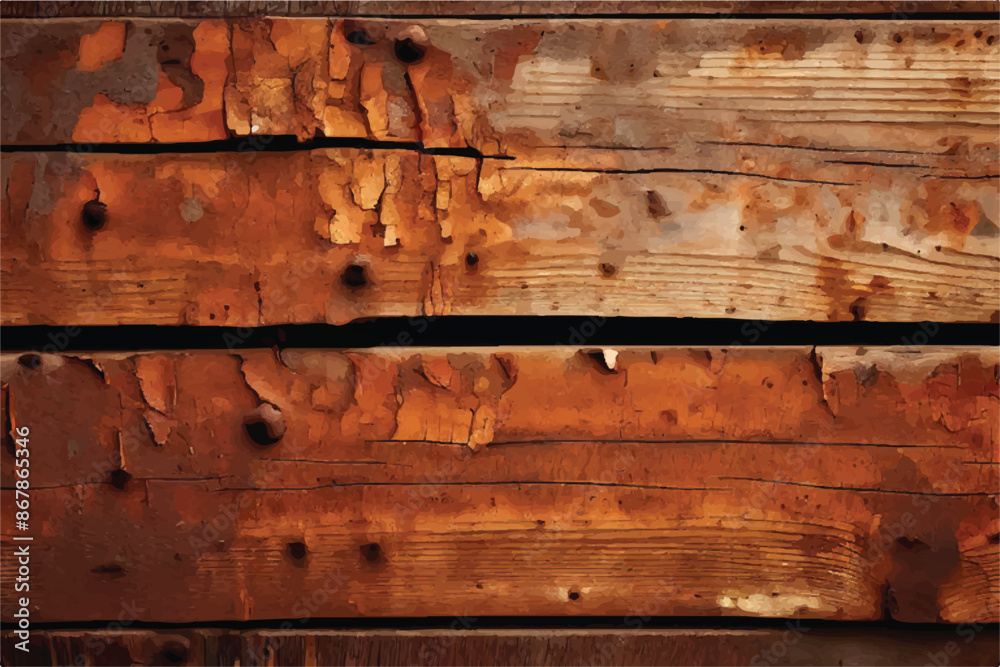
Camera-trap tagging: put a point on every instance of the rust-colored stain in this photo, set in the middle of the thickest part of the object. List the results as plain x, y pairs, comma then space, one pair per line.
370, 462
291, 222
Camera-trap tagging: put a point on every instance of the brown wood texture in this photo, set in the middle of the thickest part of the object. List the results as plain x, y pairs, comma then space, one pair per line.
833, 483
333, 235
797, 644
901, 86
895, 9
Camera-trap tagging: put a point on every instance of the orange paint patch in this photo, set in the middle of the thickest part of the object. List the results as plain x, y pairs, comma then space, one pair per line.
107, 122
947, 210
340, 123
374, 99
101, 47
210, 62
299, 41
432, 79
879, 283
163, 118
776, 43
340, 53
169, 97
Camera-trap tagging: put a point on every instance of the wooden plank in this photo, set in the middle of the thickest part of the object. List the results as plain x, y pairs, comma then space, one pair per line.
332, 235
900, 86
835, 483
798, 644
475, 9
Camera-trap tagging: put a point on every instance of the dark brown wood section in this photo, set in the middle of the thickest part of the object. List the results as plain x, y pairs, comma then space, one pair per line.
795, 643
475, 10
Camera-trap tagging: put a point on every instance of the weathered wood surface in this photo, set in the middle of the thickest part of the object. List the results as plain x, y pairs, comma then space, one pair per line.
476, 9
902, 87
798, 644
834, 483
825, 170
332, 235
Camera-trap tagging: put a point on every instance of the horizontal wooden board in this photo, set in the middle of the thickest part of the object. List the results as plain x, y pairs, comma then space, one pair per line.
476, 9
902, 86
332, 235
836, 483
798, 644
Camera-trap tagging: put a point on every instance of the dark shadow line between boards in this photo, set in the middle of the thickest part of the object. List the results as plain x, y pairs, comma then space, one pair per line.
499, 331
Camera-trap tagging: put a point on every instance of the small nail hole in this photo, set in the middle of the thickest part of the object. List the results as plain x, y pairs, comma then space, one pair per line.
354, 276
858, 308
407, 51
471, 260
264, 426
371, 552
119, 478
359, 37
260, 434
30, 361
607, 270
113, 570
574, 596
95, 214
296, 550
173, 653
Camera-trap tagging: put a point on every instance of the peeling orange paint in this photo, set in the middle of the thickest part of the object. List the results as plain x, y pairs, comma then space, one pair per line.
104, 46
